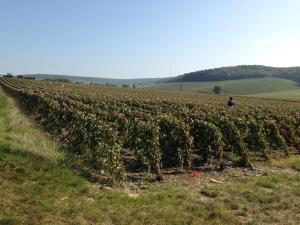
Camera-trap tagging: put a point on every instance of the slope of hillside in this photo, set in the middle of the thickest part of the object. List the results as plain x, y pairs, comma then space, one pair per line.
238, 72
235, 87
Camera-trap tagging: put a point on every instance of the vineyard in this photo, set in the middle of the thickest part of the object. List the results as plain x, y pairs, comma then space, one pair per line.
161, 130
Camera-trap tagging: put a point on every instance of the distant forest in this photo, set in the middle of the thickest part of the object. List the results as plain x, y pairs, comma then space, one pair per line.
239, 72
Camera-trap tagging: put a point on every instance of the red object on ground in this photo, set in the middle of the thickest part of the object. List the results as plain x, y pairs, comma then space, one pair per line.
196, 174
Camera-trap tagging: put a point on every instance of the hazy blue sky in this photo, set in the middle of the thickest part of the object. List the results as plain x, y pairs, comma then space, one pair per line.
141, 38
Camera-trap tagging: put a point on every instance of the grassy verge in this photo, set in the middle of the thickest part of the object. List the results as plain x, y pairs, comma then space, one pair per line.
18, 133
37, 187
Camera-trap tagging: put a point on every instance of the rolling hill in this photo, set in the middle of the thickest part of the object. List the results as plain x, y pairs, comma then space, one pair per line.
209, 75
98, 80
238, 72
234, 87
235, 80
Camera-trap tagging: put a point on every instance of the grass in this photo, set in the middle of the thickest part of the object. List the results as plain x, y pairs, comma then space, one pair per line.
38, 187
234, 87
291, 162
18, 133
290, 94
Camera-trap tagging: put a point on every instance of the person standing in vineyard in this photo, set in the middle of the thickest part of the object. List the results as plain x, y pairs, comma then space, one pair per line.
231, 103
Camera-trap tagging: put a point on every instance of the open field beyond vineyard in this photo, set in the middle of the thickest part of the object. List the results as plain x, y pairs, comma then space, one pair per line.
291, 94
253, 86
40, 186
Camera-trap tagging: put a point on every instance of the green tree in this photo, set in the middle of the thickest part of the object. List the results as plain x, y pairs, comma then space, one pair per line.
217, 89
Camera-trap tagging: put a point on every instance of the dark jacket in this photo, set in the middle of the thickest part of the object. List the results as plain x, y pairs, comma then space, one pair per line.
231, 103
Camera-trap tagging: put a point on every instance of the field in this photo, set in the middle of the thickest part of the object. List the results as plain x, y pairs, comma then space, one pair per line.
133, 134
31, 164
102, 148
234, 87
291, 94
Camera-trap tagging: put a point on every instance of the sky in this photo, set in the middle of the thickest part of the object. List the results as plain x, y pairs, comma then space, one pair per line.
145, 38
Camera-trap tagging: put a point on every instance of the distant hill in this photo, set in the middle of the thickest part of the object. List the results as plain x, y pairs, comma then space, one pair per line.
233, 87
209, 75
119, 82
238, 72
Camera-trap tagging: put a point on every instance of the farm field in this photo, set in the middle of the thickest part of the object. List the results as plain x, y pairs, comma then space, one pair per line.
133, 133
234, 87
39, 186
291, 94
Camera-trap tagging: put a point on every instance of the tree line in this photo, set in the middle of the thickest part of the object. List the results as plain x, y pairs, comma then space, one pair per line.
239, 72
